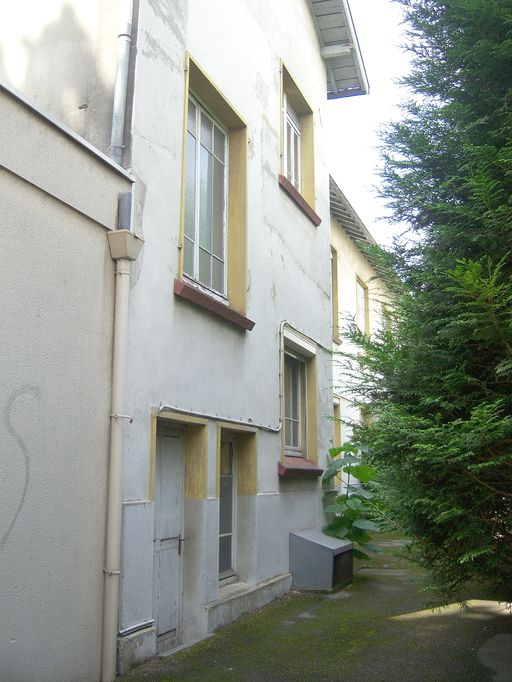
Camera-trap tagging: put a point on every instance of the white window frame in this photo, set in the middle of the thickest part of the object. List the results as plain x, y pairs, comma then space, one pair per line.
300, 398
292, 156
202, 110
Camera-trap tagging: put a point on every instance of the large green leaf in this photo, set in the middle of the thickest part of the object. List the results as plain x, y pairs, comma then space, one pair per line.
366, 524
363, 472
335, 530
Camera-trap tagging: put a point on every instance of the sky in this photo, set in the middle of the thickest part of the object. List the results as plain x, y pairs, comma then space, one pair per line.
353, 122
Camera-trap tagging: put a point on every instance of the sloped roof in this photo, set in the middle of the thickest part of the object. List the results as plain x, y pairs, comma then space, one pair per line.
346, 75
346, 216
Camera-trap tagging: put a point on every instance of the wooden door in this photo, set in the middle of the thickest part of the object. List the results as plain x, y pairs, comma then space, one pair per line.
168, 539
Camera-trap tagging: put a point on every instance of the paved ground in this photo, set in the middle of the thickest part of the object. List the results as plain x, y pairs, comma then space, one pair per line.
376, 629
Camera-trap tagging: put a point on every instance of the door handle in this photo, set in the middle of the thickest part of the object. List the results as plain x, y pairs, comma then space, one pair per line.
180, 540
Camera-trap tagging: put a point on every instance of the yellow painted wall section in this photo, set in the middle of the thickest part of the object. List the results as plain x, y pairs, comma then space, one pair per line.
351, 266
246, 448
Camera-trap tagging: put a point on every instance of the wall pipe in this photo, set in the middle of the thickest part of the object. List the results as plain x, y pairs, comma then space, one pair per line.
124, 43
112, 568
248, 422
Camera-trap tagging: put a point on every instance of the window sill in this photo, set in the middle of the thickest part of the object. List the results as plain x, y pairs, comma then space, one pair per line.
297, 197
292, 467
186, 291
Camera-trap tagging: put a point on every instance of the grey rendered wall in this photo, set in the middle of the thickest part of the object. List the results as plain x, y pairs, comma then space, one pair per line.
62, 55
56, 279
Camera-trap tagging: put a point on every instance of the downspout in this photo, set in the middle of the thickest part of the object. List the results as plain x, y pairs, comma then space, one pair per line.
124, 246
124, 43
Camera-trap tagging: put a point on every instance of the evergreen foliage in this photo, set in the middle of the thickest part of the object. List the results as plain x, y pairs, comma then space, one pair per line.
438, 379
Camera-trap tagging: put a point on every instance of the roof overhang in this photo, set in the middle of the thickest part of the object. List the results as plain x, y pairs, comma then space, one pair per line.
346, 75
346, 215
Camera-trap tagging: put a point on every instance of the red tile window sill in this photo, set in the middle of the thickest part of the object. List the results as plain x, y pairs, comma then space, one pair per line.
292, 467
190, 293
297, 197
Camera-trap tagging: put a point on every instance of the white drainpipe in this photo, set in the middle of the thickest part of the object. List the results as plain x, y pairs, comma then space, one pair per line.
124, 247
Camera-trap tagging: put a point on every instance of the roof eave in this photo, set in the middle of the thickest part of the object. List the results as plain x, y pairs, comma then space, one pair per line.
339, 47
346, 216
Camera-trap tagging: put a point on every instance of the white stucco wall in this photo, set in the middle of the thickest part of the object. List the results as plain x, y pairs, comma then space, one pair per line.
57, 283
189, 358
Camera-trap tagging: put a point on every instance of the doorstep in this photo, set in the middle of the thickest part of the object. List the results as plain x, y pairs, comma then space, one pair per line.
239, 598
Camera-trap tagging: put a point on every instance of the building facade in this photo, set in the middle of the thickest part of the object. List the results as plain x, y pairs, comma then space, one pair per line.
227, 407
358, 297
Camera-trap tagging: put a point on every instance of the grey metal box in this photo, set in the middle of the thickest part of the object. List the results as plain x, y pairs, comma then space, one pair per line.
319, 562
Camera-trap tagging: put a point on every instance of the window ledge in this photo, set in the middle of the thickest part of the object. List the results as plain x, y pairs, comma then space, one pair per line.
298, 466
190, 293
297, 197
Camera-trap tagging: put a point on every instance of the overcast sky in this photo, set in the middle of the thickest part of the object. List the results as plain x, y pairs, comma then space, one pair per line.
353, 122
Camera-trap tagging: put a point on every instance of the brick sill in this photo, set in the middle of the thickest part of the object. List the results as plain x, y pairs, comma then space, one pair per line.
292, 467
188, 292
297, 197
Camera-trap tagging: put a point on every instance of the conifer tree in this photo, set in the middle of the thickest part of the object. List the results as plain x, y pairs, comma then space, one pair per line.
438, 379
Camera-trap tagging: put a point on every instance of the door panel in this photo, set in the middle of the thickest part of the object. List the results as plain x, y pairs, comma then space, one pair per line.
167, 532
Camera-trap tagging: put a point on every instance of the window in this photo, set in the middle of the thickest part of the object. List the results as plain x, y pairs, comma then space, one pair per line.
227, 506
237, 468
334, 297
204, 257
298, 172
294, 404
362, 310
213, 232
299, 388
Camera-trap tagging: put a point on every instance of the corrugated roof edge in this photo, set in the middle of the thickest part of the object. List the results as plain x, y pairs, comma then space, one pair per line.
346, 216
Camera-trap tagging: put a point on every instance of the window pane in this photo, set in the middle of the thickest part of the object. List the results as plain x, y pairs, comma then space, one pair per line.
289, 151
288, 433
294, 116
188, 257
190, 187
295, 434
206, 132
225, 554
287, 387
296, 160
293, 397
217, 275
218, 210
205, 268
191, 126
226, 505
225, 459
205, 201
219, 143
